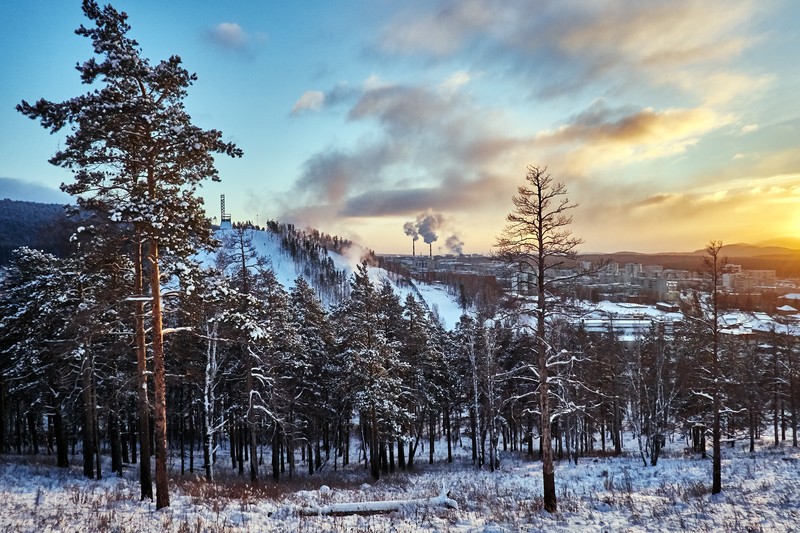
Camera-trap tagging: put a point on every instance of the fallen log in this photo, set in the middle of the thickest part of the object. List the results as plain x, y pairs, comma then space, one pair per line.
378, 507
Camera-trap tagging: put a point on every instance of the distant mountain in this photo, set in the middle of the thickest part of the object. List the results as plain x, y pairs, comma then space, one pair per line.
784, 242
752, 250
30, 224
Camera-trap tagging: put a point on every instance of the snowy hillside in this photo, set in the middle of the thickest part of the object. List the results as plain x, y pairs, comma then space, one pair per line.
268, 245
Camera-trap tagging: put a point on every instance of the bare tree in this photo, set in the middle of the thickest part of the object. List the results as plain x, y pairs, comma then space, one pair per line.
714, 263
537, 240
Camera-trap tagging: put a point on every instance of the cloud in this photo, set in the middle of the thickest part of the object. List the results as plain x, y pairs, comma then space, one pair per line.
749, 128
602, 136
683, 218
562, 47
440, 33
428, 151
309, 101
231, 36
342, 93
667, 89
331, 176
644, 126
443, 152
455, 81
449, 195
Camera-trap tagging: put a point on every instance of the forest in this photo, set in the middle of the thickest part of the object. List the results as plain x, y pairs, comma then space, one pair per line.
152, 335
260, 370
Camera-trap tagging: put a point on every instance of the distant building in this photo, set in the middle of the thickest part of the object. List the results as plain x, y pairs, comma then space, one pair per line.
225, 219
736, 279
652, 271
633, 270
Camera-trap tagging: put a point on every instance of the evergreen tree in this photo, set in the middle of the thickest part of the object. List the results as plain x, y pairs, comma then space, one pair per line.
137, 156
370, 363
426, 374
310, 375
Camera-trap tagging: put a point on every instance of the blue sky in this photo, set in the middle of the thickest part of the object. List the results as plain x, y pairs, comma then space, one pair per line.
670, 122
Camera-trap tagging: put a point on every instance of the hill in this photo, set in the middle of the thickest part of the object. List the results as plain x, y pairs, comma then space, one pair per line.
328, 263
29, 224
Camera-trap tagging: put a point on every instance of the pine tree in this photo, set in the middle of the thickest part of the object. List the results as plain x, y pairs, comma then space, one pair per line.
31, 337
426, 374
137, 157
370, 365
310, 375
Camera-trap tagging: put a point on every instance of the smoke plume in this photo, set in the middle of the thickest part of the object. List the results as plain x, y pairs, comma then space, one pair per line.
427, 224
454, 244
411, 230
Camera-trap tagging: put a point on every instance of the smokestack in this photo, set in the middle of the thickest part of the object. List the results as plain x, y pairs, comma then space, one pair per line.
411, 230
430, 247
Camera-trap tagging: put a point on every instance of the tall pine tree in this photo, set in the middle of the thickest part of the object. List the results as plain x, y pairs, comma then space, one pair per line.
138, 158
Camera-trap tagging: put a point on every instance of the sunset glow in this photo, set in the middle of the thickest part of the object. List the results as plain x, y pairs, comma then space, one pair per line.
671, 123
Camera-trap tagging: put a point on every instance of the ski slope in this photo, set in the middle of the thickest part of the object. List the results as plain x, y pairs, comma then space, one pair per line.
268, 246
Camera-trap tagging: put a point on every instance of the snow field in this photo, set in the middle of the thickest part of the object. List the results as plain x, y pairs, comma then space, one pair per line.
761, 492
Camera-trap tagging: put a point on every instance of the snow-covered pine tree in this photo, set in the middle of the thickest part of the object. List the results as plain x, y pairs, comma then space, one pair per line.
61, 325
426, 373
368, 361
273, 403
310, 372
32, 366
393, 327
137, 156
206, 300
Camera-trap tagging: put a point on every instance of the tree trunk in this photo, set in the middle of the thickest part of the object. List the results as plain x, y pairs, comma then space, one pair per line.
448, 435
240, 438
431, 435
88, 414
251, 418
548, 468
133, 436
182, 430
62, 450
3, 446
116, 445
473, 423
310, 452
191, 431
159, 380
145, 474
373, 446
276, 452
32, 430
401, 454
209, 400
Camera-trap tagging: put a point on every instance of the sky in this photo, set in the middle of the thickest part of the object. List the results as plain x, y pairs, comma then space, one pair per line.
671, 123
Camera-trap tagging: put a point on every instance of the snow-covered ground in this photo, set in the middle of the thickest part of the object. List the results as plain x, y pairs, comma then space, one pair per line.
761, 492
